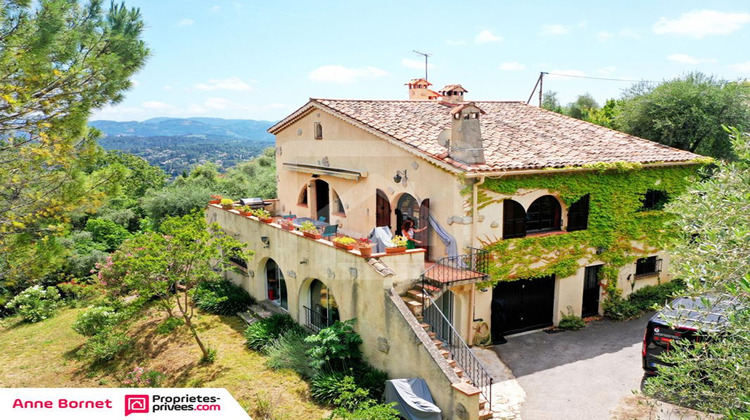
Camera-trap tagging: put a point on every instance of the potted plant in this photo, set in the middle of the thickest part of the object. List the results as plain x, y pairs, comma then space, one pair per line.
245, 210
399, 245
344, 242
215, 199
227, 203
263, 215
365, 247
286, 224
308, 229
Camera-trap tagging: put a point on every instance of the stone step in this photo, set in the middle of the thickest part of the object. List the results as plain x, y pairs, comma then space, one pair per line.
414, 306
431, 334
452, 363
425, 326
482, 403
445, 353
416, 295
431, 289
459, 372
437, 343
485, 414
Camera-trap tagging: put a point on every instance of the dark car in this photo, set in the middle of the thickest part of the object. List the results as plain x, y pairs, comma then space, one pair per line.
686, 318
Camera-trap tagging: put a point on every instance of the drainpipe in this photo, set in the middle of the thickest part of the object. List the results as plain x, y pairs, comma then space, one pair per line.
474, 216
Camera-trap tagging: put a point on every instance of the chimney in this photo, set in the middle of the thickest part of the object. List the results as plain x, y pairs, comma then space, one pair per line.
420, 89
453, 94
466, 136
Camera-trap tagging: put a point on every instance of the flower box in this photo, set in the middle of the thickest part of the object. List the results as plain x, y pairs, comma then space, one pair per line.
267, 220
395, 250
343, 246
312, 235
214, 202
365, 251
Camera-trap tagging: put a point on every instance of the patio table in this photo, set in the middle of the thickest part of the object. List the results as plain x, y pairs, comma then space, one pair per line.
300, 220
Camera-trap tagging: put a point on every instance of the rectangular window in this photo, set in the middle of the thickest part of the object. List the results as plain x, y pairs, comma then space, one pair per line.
236, 258
654, 200
578, 214
648, 266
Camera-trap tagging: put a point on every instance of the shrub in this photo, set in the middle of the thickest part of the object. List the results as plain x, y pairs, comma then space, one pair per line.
210, 356
107, 232
646, 297
335, 347
95, 320
371, 379
105, 346
221, 297
619, 309
369, 411
76, 291
169, 325
325, 387
142, 378
265, 331
289, 352
35, 303
571, 322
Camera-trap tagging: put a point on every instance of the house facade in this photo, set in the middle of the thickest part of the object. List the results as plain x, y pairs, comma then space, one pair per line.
559, 211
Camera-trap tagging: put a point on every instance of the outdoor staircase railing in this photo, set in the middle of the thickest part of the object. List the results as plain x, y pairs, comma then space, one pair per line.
459, 350
471, 266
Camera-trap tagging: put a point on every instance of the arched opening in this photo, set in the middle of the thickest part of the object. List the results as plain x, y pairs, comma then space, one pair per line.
382, 209
407, 207
322, 200
514, 220
322, 311
302, 197
544, 215
337, 206
276, 285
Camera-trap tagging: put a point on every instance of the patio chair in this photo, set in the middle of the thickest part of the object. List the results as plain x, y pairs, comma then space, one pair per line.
330, 231
290, 216
322, 218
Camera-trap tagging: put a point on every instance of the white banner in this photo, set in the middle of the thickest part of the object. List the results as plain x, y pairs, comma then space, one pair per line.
118, 403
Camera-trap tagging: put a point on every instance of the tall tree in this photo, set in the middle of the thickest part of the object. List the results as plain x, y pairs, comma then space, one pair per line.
59, 60
687, 112
582, 107
713, 256
550, 102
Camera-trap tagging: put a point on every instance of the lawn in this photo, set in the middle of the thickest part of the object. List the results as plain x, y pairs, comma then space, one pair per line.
43, 355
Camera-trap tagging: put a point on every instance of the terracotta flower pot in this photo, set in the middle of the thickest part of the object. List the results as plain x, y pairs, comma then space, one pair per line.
244, 213
343, 246
366, 251
227, 206
287, 227
267, 220
395, 250
214, 202
312, 235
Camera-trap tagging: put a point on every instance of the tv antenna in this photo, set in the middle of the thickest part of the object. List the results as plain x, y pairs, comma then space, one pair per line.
425, 62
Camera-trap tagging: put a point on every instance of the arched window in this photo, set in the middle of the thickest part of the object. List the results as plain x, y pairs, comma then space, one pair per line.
578, 214
337, 206
514, 220
323, 310
276, 284
543, 215
302, 198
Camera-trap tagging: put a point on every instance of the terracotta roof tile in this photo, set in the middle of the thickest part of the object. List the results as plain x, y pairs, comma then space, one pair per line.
516, 136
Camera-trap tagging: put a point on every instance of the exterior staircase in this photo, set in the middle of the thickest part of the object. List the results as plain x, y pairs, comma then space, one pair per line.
418, 300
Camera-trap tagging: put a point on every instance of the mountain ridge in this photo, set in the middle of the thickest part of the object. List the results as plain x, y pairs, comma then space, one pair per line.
167, 126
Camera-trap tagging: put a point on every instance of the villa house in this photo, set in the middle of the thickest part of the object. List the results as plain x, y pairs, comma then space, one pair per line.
530, 215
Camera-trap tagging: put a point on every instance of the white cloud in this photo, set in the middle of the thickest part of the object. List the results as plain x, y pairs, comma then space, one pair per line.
563, 74
450, 42
554, 30
185, 22
701, 23
414, 64
487, 36
512, 65
689, 59
741, 67
233, 83
604, 36
344, 75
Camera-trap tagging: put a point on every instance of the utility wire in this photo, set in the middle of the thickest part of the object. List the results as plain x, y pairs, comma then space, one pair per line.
602, 78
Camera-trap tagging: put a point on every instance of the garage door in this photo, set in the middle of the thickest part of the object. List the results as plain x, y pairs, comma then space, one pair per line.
522, 305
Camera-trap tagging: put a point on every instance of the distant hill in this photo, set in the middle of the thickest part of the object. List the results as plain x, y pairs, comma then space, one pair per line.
164, 127
179, 144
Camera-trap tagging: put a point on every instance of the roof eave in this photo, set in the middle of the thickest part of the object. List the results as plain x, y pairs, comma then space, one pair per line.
492, 174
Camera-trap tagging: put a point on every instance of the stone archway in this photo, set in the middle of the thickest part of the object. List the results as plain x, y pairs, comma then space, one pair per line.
276, 284
318, 305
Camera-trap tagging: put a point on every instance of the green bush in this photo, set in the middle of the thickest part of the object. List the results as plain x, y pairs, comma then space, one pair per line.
619, 309
264, 332
169, 325
105, 346
95, 320
289, 352
646, 297
371, 379
369, 411
571, 322
335, 347
326, 388
35, 303
107, 232
221, 297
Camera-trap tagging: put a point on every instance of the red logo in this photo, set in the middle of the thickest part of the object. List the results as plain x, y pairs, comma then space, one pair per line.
136, 404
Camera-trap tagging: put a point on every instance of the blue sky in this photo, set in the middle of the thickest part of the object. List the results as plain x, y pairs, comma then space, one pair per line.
262, 60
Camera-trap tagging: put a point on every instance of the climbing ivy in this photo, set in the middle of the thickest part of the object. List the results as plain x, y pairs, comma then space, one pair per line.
617, 227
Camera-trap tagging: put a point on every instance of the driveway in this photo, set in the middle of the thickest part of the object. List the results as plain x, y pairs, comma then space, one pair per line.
582, 374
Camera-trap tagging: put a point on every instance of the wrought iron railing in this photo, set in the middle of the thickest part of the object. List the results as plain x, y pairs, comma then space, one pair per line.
459, 350
466, 267
315, 320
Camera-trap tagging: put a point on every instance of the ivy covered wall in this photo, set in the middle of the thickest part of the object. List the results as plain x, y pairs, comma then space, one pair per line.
617, 227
